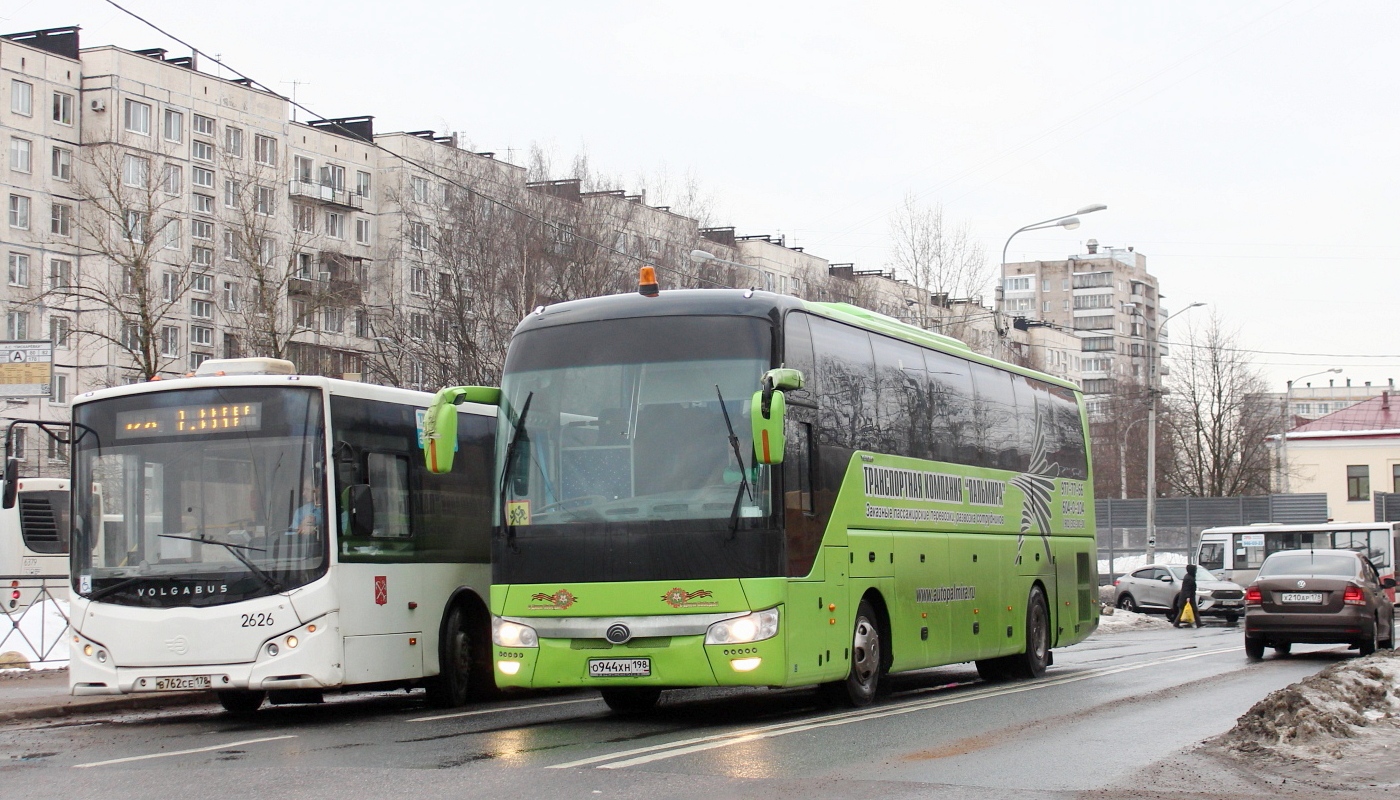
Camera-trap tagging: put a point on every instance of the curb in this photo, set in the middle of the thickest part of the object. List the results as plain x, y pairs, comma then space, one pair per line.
127, 703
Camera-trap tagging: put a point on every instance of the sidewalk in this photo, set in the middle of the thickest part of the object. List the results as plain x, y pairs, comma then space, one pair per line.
41, 694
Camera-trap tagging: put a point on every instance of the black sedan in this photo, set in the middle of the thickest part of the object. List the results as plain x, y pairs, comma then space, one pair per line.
1318, 596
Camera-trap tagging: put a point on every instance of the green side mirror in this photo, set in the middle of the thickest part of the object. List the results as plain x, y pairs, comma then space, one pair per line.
440, 422
784, 379
769, 440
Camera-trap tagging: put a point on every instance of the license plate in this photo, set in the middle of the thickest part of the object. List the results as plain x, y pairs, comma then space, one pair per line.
619, 667
1300, 597
181, 683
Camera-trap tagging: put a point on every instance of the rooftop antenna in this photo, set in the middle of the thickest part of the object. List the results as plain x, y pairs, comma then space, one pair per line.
295, 84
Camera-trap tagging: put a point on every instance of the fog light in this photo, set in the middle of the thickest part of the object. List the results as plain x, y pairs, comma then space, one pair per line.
509, 667
87, 649
291, 641
272, 648
102, 656
745, 664
311, 628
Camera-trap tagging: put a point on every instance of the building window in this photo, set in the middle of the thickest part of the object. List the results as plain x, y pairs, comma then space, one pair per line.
303, 218
231, 348
303, 268
17, 325
420, 190
21, 151
230, 296
301, 169
267, 250
362, 183
265, 150
233, 141
1045, 307
197, 358
201, 177
202, 282
418, 326
134, 171
362, 231
203, 204
333, 176
202, 229
232, 190
201, 336
230, 246
58, 451
60, 273
62, 164
302, 314
417, 235
170, 286
173, 126
333, 320
1019, 284
170, 341
173, 180
22, 98
1395, 478
335, 225
201, 150
19, 444
418, 281
171, 234
61, 219
19, 212
131, 337
59, 328
203, 125
19, 269
134, 228
1358, 483
136, 116
267, 201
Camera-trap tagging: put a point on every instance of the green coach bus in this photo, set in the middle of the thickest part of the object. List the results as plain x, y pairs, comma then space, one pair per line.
724, 487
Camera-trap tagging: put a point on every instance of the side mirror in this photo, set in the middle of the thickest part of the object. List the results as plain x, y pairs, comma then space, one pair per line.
440, 422
359, 501
1387, 583
767, 411
786, 380
11, 482
1166, 579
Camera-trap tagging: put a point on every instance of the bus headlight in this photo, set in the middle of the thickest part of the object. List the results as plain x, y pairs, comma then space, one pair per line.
753, 627
505, 633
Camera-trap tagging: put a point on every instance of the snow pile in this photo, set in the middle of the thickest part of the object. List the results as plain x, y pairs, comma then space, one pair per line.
1116, 620
1318, 715
1127, 563
33, 637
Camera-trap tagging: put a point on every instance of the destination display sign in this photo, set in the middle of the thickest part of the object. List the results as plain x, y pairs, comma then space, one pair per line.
180, 420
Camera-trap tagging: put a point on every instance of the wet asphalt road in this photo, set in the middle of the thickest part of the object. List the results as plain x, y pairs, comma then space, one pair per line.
1107, 709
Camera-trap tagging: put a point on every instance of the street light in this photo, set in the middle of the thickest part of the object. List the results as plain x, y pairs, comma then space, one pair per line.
1123, 458
1152, 346
1287, 418
703, 257
1069, 222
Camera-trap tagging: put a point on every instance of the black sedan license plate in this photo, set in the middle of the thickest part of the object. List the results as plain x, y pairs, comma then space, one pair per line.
180, 683
619, 667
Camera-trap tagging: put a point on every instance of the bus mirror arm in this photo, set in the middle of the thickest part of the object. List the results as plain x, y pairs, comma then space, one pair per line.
360, 502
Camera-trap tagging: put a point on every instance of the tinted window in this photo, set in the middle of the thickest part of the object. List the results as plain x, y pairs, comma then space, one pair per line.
797, 354
845, 385
952, 435
1064, 434
902, 400
1145, 574
995, 419
1303, 563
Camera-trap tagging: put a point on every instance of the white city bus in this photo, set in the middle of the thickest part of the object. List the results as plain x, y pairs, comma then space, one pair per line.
270, 535
1239, 550
34, 543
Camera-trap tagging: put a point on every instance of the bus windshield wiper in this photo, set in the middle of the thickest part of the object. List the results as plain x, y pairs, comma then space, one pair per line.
744, 489
233, 551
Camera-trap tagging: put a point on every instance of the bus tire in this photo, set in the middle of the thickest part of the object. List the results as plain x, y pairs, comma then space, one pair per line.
457, 657
992, 670
631, 699
867, 660
1032, 663
241, 702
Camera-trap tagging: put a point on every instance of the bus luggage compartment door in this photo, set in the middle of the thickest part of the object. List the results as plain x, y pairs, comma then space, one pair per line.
383, 657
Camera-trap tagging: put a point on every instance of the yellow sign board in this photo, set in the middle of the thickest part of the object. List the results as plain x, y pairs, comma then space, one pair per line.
26, 369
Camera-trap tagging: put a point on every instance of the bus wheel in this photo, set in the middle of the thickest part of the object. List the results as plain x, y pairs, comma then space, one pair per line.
631, 699
993, 670
866, 660
1032, 663
241, 702
452, 686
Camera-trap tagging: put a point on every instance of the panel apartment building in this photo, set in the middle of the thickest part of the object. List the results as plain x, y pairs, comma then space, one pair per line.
1108, 299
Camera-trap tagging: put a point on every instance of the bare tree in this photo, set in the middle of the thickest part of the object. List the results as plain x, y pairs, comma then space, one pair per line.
138, 287
1219, 417
942, 259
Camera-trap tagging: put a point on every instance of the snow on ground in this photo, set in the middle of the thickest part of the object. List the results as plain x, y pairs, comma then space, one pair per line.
1116, 620
33, 637
1127, 563
1319, 719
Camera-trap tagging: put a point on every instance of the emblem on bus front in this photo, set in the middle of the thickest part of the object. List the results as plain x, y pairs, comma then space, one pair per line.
381, 589
680, 598
558, 601
178, 645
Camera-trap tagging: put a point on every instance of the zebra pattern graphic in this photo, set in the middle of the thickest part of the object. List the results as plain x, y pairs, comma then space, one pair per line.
1036, 486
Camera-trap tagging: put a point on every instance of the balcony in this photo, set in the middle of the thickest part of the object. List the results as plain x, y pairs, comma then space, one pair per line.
327, 194
340, 281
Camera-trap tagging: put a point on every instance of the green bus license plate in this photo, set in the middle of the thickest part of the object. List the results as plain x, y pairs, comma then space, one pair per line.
619, 667
180, 683
1302, 597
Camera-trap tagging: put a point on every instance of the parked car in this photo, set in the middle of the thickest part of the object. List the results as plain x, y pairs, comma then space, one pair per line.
1318, 596
1155, 588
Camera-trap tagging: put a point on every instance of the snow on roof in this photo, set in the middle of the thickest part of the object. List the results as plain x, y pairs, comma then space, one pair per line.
1379, 416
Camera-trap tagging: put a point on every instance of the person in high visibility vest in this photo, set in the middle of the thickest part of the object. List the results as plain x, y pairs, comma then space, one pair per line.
1186, 611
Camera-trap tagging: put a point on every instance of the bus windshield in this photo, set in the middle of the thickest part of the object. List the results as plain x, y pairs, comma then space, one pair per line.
620, 421
199, 496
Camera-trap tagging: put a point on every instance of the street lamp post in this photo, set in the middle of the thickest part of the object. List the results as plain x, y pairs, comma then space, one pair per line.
1283, 434
1123, 458
703, 257
1068, 221
1152, 392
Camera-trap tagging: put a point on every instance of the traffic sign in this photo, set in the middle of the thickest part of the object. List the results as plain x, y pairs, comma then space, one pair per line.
26, 368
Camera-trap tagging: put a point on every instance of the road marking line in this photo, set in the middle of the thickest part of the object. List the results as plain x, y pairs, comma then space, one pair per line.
506, 708
644, 755
183, 752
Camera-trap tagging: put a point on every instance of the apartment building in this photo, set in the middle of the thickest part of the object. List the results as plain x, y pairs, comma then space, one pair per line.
1307, 402
1111, 303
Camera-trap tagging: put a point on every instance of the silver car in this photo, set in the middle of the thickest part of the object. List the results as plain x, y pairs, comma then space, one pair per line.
1155, 588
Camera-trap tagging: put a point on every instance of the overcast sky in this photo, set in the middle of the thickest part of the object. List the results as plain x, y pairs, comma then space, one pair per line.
1247, 149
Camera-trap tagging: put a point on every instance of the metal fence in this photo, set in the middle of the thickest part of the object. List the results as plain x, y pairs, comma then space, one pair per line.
1122, 524
36, 621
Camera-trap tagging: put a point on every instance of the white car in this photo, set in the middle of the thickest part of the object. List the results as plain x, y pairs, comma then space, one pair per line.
1155, 588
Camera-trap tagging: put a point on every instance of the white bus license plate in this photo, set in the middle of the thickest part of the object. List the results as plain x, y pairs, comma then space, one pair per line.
1301, 597
619, 667
181, 683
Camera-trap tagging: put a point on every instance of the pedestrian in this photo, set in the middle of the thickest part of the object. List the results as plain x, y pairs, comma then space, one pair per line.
1187, 596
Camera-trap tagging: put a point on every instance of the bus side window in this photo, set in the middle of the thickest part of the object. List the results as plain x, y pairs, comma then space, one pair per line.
388, 483
797, 469
1213, 555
